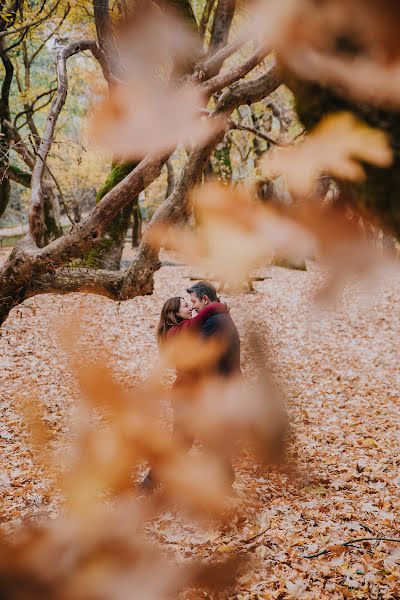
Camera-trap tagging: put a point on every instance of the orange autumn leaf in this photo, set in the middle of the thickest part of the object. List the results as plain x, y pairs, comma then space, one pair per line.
338, 145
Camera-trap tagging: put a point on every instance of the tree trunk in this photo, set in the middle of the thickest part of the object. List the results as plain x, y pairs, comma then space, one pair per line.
108, 253
205, 17
170, 178
52, 215
223, 17
5, 134
136, 224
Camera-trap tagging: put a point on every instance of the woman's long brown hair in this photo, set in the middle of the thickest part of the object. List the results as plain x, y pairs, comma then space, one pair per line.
168, 318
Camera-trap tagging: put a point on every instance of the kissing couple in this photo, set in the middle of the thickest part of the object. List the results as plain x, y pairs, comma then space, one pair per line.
212, 320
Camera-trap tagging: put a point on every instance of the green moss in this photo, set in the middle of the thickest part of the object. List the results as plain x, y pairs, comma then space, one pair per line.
107, 253
118, 172
22, 177
222, 161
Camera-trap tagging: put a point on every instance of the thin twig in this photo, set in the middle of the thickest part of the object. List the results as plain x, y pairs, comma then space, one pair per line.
254, 537
367, 528
63, 201
31, 24
257, 132
351, 542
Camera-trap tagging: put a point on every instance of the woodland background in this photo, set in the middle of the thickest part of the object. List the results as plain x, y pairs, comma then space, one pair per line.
143, 146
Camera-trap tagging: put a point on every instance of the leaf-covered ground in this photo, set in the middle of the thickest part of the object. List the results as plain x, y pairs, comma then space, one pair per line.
340, 373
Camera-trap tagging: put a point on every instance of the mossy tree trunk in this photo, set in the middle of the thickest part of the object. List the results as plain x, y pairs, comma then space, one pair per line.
108, 253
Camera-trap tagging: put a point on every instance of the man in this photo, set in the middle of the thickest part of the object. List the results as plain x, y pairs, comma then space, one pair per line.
220, 325
215, 324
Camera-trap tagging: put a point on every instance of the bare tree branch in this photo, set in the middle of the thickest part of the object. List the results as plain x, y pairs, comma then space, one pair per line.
63, 202
31, 109
33, 24
257, 132
35, 214
50, 35
351, 542
19, 146
205, 68
230, 76
249, 91
62, 281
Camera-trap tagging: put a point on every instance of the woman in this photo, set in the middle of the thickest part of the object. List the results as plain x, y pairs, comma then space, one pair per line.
176, 318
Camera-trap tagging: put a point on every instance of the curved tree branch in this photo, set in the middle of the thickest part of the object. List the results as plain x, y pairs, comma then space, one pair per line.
229, 76
35, 214
204, 69
138, 278
46, 39
254, 131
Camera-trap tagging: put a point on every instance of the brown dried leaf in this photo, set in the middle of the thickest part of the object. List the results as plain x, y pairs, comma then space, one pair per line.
235, 234
151, 116
151, 111
188, 352
351, 45
336, 146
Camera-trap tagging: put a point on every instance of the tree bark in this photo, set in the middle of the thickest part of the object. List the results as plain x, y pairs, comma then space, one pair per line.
205, 17
170, 178
105, 39
5, 134
223, 18
108, 253
136, 224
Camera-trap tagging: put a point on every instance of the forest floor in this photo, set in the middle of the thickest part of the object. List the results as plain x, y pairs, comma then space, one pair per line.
340, 371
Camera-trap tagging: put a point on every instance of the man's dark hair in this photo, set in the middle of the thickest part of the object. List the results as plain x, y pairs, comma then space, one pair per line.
204, 288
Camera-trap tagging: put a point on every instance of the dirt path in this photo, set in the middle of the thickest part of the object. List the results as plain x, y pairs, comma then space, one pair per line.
342, 377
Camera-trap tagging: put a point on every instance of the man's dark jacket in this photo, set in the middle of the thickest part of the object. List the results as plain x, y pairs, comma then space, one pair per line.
222, 326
